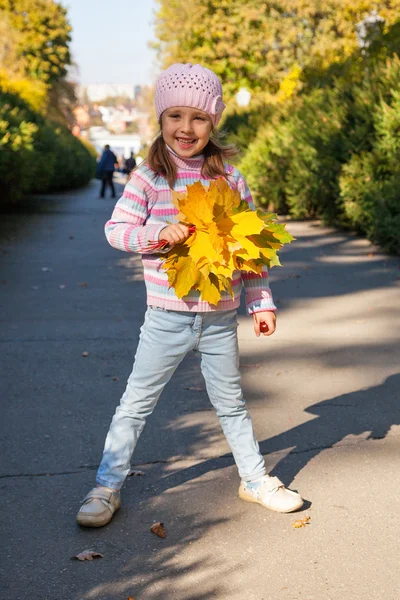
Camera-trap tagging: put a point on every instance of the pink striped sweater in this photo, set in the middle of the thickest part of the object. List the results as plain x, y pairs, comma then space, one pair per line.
145, 208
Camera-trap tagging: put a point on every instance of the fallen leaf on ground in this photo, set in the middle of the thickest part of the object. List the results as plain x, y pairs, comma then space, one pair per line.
62, 286
82, 284
158, 529
194, 389
115, 378
88, 555
301, 522
134, 473
85, 353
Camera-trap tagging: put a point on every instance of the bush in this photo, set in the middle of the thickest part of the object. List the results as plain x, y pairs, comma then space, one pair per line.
241, 125
37, 155
293, 164
370, 182
266, 163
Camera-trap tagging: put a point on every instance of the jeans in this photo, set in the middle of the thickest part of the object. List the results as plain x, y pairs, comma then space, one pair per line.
165, 338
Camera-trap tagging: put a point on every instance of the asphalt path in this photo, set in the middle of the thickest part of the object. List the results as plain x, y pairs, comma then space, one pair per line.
323, 393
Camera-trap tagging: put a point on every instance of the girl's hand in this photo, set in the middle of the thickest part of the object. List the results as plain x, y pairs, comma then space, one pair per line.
174, 234
269, 318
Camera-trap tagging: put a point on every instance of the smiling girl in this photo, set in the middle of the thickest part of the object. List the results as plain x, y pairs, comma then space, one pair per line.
189, 106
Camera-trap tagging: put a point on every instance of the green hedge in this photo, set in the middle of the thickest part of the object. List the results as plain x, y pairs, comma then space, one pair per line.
37, 155
370, 181
293, 164
333, 152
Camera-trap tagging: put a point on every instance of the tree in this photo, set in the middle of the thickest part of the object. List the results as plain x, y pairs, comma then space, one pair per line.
255, 45
41, 37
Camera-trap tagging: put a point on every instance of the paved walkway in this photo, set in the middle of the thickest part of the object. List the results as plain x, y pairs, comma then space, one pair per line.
323, 392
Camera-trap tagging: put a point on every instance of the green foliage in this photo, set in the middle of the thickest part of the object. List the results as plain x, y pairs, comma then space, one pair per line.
41, 34
37, 155
369, 184
241, 125
17, 134
294, 162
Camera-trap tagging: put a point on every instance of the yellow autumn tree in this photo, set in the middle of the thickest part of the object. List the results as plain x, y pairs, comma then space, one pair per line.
256, 44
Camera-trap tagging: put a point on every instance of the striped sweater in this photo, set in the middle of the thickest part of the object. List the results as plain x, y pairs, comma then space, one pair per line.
145, 208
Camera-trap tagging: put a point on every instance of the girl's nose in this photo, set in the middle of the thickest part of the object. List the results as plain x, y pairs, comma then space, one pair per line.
186, 126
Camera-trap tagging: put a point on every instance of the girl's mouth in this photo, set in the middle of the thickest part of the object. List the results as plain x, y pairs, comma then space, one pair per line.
185, 142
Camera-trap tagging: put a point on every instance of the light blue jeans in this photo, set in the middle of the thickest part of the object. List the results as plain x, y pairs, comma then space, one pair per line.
165, 338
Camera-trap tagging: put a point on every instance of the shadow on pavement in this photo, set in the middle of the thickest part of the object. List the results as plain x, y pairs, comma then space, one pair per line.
373, 410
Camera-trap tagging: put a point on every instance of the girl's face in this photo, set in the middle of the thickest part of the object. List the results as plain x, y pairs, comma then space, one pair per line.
186, 130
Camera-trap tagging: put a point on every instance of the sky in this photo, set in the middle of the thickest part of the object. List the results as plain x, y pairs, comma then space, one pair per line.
110, 40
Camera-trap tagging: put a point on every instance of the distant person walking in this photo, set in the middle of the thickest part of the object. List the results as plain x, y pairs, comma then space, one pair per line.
105, 170
130, 164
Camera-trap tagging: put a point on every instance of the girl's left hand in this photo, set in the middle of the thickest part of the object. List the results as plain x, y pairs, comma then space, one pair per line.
269, 318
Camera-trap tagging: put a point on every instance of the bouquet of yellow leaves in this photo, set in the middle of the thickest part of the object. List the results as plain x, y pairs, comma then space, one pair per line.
225, 236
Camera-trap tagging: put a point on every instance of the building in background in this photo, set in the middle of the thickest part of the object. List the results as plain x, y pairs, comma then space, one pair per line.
99, 91
114, 114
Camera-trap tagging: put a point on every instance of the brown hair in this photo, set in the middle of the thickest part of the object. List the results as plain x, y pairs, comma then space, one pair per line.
159, 158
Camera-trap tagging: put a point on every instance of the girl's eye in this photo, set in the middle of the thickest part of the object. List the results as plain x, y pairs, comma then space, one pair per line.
200, 118
175, 116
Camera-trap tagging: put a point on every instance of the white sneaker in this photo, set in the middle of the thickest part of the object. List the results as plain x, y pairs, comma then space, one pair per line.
272, 494
98, 507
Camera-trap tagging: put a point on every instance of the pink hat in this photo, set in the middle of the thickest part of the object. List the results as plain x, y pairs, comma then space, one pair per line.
189, 85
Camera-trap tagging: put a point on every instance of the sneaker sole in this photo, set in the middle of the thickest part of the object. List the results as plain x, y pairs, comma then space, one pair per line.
250, 498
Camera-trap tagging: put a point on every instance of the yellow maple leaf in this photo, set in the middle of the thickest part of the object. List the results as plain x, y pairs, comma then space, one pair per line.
196, 207
188, 275
201, 247
209, 289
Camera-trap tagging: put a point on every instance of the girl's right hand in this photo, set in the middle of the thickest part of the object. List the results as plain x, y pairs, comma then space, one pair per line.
174, 234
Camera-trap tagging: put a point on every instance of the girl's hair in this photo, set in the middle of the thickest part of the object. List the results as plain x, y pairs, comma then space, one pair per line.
159, 158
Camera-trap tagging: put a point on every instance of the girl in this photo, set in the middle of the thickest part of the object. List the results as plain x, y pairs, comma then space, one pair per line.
189, 105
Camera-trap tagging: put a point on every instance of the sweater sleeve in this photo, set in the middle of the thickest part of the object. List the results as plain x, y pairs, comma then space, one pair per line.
127, 229
257, 289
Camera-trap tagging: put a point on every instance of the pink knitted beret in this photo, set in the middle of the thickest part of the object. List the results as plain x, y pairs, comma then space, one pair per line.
189, 85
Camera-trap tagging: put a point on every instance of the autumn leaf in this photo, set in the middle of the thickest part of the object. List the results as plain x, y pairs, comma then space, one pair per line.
88, 555
226, 235
135, 473
158, 529
194, 388
301, 522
